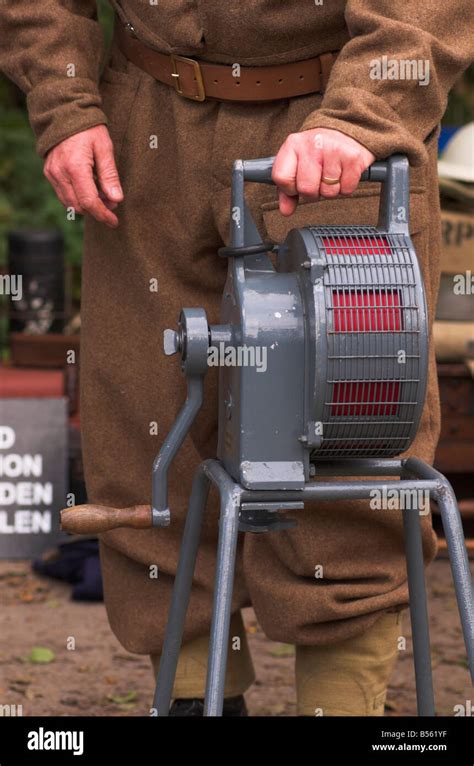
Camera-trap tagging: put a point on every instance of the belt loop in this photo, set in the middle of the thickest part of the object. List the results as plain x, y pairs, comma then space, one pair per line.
326, 60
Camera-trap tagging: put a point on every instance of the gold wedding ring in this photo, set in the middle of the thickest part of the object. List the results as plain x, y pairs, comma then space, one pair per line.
330, 181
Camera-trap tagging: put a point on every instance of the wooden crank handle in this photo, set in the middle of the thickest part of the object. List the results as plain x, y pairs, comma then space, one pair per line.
92, 519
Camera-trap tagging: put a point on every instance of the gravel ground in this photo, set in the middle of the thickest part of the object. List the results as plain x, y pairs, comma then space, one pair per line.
89, 673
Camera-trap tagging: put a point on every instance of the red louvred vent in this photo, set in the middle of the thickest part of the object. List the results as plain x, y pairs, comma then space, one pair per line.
365, 398
367, 311
356, 245
371, 318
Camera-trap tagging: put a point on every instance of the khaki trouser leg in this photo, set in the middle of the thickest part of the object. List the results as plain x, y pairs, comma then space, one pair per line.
173, 219
190, 681
348, 678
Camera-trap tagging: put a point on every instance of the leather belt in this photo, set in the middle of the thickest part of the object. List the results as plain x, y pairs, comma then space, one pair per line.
198, 80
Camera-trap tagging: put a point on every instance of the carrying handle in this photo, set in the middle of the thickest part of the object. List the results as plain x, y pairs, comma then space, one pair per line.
260, 170
392, 173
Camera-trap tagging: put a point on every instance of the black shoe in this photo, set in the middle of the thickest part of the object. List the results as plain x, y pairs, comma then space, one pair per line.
193, 708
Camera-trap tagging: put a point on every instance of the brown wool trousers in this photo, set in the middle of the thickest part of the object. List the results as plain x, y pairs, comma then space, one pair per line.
175, 157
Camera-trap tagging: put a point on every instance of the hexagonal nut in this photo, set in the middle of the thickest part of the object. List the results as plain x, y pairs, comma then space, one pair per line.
170, 342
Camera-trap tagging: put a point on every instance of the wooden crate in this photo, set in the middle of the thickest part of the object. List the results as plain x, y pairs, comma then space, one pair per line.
49, 350
455, 453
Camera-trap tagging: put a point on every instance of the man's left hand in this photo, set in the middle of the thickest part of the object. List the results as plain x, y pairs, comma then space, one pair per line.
318, 163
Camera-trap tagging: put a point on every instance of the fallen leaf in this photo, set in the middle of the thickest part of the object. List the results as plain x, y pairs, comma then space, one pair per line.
69, 701
440, 591
6, 575
282, 650
122, 699
126, 657
40, 655
17, 689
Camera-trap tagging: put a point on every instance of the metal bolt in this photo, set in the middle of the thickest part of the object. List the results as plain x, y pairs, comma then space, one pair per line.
171, 342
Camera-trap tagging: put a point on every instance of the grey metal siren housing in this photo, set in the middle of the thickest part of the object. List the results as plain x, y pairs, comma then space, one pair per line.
329, 340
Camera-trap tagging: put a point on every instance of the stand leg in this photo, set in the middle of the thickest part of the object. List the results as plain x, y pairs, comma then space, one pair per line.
458, 558
418, 613
181, 593
459, 561
226, 554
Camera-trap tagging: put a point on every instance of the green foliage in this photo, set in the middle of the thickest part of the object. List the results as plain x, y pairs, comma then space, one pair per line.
460, 109
26, 198
106, 18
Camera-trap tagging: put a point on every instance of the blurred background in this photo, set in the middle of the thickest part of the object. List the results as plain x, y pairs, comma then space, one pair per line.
40, 437
26, 198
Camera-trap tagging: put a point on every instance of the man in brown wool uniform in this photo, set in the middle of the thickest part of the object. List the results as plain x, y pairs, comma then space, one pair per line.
327, 117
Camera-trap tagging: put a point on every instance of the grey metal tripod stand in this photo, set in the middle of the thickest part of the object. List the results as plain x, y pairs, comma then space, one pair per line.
236, 502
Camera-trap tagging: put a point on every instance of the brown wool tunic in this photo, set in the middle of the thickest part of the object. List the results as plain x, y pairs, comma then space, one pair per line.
172, 221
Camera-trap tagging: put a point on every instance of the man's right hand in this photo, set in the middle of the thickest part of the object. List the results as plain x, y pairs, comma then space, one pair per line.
82, 172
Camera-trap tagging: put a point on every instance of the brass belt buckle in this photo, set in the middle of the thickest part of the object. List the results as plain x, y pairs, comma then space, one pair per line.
201, 94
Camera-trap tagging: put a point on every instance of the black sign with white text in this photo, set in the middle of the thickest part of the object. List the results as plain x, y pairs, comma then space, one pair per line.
33, 474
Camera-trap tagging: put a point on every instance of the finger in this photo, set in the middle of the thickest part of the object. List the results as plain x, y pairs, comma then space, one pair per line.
351, 173
332, 169
284, 170
286, 203
108, 204
62, 188
106, 169
71, 202
58, 190
70, 197
308, 178
88, 196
